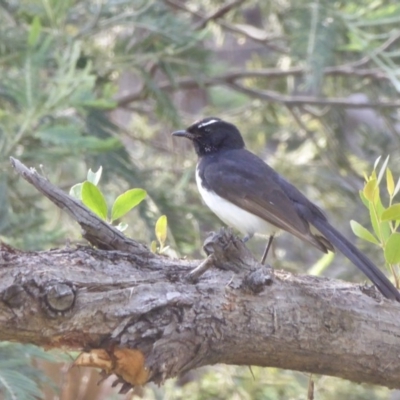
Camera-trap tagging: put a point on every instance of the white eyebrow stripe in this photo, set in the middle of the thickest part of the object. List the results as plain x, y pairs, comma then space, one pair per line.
212, 121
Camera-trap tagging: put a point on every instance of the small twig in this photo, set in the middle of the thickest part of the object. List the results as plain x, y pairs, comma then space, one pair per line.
152, 143
195, 274
380, 49
310, 391
219, 13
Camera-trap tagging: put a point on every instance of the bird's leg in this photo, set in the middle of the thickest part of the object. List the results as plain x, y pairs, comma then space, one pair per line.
247, 237
271, 238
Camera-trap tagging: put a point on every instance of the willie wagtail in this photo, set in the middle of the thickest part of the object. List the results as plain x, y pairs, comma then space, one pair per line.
247, 194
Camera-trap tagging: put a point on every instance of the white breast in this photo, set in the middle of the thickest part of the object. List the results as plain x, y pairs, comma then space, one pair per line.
232, 215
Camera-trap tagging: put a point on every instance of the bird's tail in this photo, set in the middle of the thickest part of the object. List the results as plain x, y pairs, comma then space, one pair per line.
377, 277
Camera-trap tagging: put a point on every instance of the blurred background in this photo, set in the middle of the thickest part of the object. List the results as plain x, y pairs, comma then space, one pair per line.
312, 85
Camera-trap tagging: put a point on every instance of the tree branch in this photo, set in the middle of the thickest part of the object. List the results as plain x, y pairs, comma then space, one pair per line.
219, 13
137, 316
263, 38
273, 96
230, 79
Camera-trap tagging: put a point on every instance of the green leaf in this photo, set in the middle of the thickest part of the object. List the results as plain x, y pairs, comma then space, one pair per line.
364, 199
391, 213
94, 177
34, 32
94, 199
76, 191
392, 249
126, 201
381, 228
362, 232
153, 246
389, 182
161, 229
370, 190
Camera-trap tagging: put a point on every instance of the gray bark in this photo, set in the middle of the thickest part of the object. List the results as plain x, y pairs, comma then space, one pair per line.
122, 295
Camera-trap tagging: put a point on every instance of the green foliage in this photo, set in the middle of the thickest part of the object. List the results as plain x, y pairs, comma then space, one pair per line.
60, 65
161, 231
93, 198
313, 28
363, 233
392, 249
368, 29
19, 379
385, 220
126, 201
229, 382
391, 213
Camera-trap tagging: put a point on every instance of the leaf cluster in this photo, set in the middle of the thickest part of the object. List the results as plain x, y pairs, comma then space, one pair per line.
385, 220
93, 198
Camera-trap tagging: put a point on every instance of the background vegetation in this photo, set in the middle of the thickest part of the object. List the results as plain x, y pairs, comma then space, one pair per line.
104, 82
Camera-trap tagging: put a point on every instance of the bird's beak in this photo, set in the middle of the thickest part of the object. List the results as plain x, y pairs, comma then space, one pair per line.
183, 133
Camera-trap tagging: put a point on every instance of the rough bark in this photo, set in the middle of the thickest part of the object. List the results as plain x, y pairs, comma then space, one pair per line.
119, 295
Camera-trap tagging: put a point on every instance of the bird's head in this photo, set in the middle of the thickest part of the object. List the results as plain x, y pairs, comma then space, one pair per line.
211, 135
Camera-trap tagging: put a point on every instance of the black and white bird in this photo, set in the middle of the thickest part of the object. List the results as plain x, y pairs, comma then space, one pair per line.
247, 194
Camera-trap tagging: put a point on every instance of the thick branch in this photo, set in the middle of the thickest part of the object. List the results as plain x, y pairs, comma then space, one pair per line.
300, 323
92, 298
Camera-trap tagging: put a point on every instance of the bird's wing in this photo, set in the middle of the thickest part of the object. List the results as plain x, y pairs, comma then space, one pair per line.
251, 184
